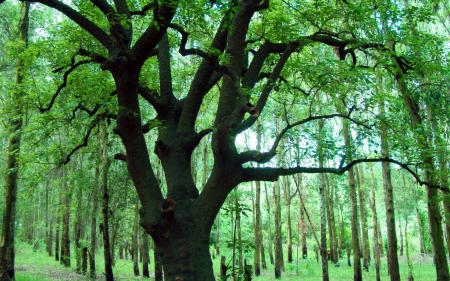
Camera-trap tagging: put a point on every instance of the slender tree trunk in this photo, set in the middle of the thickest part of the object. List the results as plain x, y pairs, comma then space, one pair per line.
58, 226
392, 257
302, 217
134, 240
65, 239
323, 206
376, 244
434, 214
401, 237
12, 164
50, 223
287, 203
421, 232
331, 221
408, 258
79, 232
105, 208
269, 226
257, 230
277, 238
218, 234
93, 235
357, 275
145, 255
363, 217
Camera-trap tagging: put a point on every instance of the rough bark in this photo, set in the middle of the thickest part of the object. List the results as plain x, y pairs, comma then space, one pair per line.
12, 164
145, 255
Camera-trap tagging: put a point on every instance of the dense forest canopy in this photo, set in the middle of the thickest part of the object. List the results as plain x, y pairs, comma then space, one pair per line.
190, 99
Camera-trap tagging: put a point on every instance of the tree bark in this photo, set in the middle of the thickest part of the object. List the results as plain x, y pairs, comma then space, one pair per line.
269, 226
145, 255
258, 228
12, 164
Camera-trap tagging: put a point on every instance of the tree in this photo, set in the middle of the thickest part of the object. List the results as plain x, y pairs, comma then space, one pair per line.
12, 166
246, 57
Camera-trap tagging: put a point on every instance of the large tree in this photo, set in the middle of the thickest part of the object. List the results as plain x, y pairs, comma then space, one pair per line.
248, 53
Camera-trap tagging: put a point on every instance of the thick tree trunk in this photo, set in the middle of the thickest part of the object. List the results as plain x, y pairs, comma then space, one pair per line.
12, 164
158, 265
145, 255
105, 208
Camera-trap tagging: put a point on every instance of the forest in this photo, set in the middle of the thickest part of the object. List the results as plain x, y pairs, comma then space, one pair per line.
201, 140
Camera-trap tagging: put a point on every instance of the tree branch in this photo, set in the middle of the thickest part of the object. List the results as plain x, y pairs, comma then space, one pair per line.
79, 19
63, 85
264, 157
272, 174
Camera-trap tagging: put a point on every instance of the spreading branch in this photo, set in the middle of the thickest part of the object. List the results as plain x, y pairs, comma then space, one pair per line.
63, 85
272, 174
264, 157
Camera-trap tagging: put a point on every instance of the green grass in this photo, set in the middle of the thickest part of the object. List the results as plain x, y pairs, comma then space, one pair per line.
37, 266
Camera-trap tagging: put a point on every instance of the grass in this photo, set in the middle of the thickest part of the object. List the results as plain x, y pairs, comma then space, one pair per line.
37, 266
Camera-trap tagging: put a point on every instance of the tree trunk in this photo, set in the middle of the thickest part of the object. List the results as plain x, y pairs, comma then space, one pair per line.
364, 229
376, 244
65, 240
421, 232
434, 215
218, 235
401, 237
93, 246
145, 255
331, 221
278, 267
269, 226
104, 226
58, 226
158, 265
257, 209
357, 275
392, 257
134, 240
79, 232
287, 203
323, 205
302, 217
12, 164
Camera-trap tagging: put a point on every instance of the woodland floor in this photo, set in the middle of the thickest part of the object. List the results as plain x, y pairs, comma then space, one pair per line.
37, 266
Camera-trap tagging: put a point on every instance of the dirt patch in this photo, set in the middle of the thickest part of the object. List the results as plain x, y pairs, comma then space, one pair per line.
50, 272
